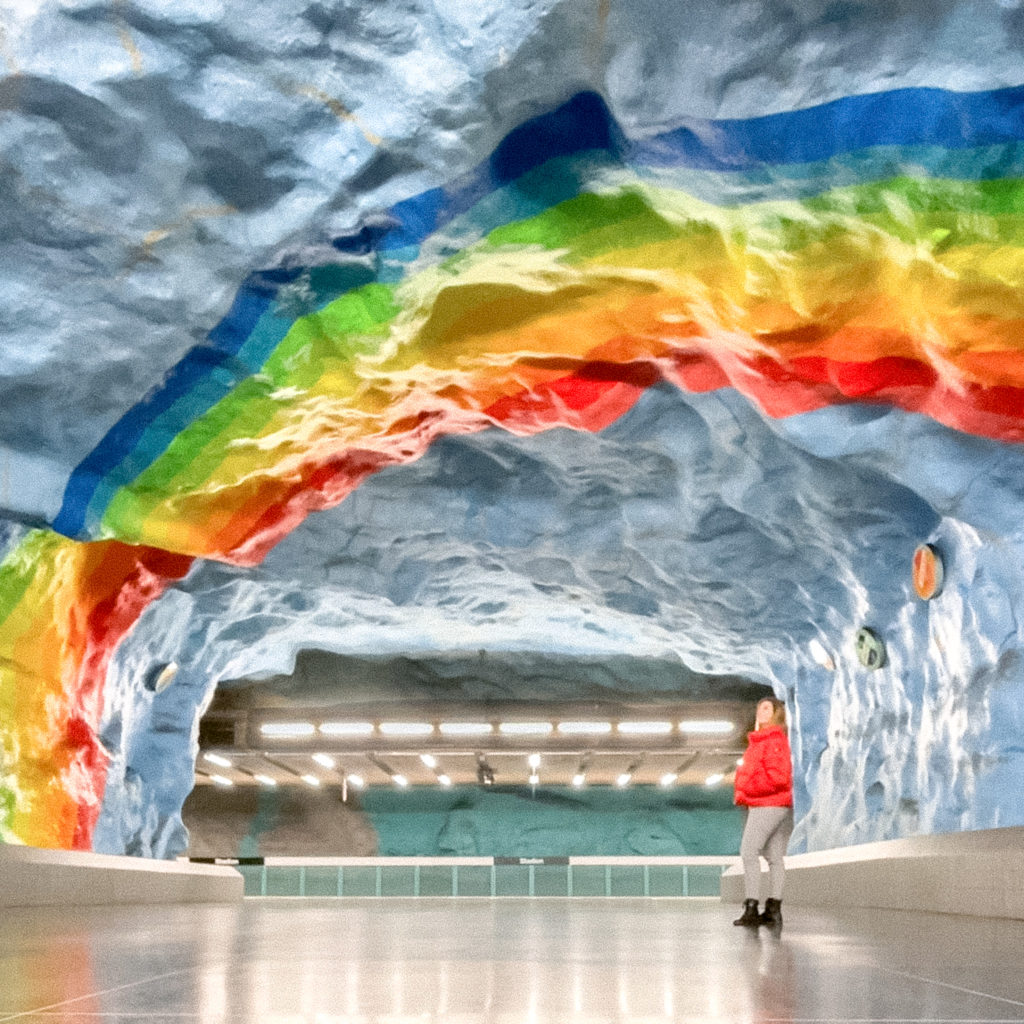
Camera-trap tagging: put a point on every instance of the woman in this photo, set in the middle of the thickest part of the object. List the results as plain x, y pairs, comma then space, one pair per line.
764, 785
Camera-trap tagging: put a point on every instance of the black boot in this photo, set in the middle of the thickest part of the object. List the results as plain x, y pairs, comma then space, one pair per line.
750, 917
772, 915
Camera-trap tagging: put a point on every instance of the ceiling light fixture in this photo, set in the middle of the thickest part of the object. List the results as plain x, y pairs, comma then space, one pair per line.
216, 759
525, 728
624, 780
287, 730
444, 780
645, 728
400, 780
343, 729
429, 760
310, 780
466, 728
219, 780
584, 728
265, 780
534, 779
668, 779
579, 779
325, 760
356, 781
533, 761
714, 780
706, 727
406, 728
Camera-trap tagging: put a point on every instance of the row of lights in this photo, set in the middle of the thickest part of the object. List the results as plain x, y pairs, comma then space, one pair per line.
356, 730
485, 774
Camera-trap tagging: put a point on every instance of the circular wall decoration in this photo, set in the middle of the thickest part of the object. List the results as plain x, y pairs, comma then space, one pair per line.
870, 648
928, 572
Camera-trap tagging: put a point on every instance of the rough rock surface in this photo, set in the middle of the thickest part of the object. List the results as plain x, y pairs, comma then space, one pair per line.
155, 155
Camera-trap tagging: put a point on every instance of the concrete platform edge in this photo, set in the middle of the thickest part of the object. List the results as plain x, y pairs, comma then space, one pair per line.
31, 877
971, 873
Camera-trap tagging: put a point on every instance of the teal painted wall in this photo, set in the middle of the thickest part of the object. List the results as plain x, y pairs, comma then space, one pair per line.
504, 821
555, 822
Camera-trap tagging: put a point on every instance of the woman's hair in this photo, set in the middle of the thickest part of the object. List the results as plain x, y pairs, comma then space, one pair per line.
778, 710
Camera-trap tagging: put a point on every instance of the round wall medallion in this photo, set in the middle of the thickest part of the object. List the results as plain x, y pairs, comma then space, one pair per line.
928, 572
870, 648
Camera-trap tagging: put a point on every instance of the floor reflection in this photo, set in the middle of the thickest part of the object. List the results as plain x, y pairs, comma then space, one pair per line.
539, 961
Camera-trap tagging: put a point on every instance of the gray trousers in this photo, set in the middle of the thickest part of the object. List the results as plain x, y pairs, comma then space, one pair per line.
766, 834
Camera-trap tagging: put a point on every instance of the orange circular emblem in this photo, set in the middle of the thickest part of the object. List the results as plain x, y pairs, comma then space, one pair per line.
927, 572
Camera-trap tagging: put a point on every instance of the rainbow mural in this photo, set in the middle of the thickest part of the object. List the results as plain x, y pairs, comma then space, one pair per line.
866, 250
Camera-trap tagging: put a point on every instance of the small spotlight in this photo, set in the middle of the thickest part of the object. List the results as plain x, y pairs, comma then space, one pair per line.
624, 780
444, 780
429, 760
325, 760
310, 780
714, 780
216, 759
534, 779
579, 779
668, 779
355, 781
219, 780
265, 780
400, 780
533, 761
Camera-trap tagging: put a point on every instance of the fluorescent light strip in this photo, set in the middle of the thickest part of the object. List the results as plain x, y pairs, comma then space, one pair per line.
579, 779
265, 780
324, 760
219, 780
714, 780
429, 760
406, 728
310, 780
668, 779
400, 780
624, 780
466, 728
645, 728
584, 728
444, 780
282, 730
356, 781
706, 727
346, 728
216, 759
525, 728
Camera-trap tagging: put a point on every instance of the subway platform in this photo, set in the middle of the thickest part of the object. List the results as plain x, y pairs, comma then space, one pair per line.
503, 961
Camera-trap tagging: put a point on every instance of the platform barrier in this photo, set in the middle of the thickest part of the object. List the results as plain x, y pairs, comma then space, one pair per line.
349, 877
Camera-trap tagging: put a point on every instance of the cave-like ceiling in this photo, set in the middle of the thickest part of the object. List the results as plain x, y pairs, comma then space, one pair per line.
526, 351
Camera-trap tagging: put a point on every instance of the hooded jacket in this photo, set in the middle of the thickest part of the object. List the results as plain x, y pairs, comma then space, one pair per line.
765, 776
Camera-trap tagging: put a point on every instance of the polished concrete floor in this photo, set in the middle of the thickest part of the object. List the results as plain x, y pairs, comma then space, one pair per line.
529, 961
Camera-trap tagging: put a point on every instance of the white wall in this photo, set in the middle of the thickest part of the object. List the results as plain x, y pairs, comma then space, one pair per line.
33, 878
976, 873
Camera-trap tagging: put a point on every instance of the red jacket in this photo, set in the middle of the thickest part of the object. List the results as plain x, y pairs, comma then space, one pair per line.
765, 776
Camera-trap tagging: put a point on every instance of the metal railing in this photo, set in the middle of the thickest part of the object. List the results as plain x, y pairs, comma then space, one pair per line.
377, 877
